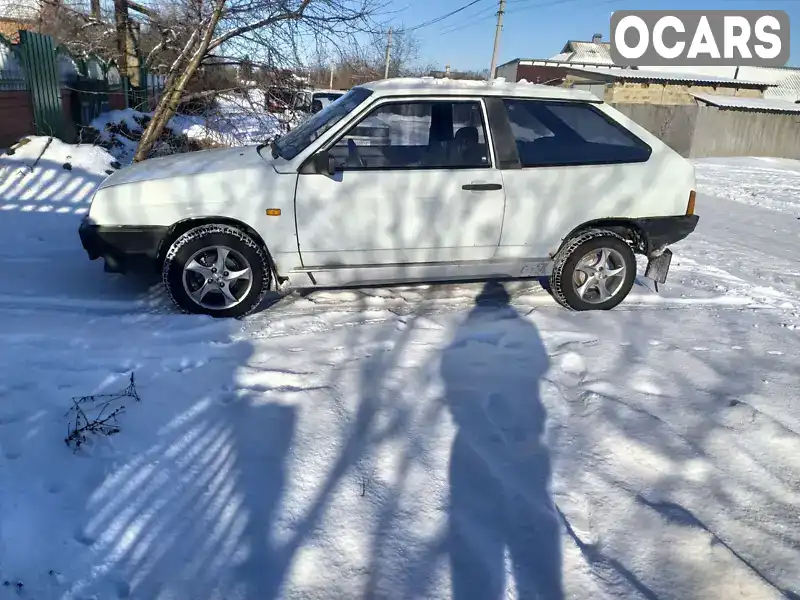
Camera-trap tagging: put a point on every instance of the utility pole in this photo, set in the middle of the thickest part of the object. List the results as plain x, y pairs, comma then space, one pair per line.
388, 54
330, 87
500, 13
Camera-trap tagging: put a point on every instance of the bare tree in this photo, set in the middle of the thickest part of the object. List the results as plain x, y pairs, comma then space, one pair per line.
264, 29
360, 63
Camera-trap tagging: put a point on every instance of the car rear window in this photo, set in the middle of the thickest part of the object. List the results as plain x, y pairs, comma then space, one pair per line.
549, 133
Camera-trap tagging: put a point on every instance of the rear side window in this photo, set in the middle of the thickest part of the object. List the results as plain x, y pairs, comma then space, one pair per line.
549, 134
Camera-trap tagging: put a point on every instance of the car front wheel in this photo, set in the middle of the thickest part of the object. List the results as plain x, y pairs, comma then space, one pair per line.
593, 271
217, 270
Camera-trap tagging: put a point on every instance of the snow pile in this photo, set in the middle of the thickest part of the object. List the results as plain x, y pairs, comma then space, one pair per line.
235, 120
440, 441
45, 175
121, 130
773, 183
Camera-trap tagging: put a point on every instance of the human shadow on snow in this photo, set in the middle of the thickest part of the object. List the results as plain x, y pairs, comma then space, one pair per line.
500, 469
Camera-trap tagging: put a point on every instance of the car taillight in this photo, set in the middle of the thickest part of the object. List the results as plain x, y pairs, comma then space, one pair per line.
690, 206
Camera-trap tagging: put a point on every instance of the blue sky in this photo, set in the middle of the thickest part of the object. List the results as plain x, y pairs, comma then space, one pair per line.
539, 28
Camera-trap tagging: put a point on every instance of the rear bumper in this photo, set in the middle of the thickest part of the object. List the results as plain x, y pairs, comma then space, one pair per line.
660, 232
123, 248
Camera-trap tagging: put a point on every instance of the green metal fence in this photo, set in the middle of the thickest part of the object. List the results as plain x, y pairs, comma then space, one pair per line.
38, 54
66, 91
89, 90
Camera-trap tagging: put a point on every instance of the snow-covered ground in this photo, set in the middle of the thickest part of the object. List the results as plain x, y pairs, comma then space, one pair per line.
768, 182
424, 442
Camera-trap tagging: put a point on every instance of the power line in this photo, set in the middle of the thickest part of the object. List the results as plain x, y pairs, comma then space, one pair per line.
470, 20
445, 16
525, 6
513, 7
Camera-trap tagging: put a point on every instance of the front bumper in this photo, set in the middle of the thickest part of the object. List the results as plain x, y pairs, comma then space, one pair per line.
123, 248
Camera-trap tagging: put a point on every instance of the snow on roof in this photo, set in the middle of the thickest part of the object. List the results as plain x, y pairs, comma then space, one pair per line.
667, 76
586, 52
754, 104
20, 9
498, 87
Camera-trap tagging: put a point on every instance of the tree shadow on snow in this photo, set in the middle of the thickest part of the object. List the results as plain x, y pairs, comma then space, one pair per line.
500, 468
192, 514
41, 208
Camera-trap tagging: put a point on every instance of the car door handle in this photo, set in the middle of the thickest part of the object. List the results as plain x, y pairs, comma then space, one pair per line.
482, 187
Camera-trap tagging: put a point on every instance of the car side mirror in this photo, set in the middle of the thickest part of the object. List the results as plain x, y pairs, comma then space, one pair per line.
324, 162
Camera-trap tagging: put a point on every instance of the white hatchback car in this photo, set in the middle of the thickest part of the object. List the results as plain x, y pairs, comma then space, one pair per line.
463, 181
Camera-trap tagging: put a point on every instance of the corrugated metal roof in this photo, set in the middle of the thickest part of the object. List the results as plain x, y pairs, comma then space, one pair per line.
665, 76
786, 80
755, 104
788, 88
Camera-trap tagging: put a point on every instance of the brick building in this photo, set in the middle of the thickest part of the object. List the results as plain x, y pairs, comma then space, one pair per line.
19, 14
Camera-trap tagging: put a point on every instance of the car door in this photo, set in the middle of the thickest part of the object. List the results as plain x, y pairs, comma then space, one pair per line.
414, 184
575, 165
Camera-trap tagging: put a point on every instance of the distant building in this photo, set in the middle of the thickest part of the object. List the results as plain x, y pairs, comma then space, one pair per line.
448, 74
596, 52
19, 14
636, 86
758, 105
589, 65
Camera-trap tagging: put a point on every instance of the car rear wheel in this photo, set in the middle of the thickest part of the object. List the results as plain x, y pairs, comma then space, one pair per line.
593, 271
216, 270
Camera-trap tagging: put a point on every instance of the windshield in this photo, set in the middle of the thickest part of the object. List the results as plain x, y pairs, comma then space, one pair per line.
297, 140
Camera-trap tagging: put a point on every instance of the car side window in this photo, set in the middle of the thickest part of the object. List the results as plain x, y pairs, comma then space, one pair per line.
416, 135
550, 133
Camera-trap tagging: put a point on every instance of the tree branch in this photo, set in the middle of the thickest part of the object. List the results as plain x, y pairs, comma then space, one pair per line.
214, 93
287, 16
143, 10
169, 36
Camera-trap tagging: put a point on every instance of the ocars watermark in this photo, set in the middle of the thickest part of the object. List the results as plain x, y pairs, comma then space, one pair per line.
700, 37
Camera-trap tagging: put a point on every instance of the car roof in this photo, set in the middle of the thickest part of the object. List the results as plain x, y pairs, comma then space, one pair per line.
428, 86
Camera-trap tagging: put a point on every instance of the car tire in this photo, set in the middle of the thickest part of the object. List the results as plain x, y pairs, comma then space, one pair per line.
574, 288
192, 279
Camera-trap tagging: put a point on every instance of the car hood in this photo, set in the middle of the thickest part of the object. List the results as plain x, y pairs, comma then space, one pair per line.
191, 163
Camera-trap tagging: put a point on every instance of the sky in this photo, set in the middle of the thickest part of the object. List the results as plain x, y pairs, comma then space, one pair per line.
539, 28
